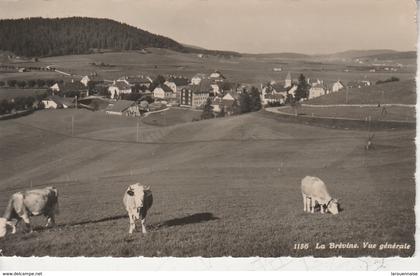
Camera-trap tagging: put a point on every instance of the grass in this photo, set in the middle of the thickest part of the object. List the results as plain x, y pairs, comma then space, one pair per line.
246, 69
172, 116
222, 187
402, 92
391, 113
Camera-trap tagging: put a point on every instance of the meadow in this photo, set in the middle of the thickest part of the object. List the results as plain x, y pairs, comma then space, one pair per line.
222, 187
249, 69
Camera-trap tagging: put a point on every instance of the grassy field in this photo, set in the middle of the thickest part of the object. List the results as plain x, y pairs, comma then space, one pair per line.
247, 69
391, 113
222, 187
172, 116
401, 92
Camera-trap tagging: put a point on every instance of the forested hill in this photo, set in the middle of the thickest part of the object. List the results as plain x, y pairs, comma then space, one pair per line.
80, 35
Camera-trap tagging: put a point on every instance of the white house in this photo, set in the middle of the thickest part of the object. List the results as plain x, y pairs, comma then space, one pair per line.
85, 80
49, 104
338, 85
171, 85
198, 78
163, 92
316, 90
118, 88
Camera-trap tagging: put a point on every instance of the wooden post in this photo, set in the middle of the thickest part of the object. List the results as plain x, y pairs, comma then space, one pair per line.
137, 136
347, 95
72, 125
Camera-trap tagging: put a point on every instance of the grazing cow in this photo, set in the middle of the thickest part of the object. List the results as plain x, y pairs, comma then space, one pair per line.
23, 205
137, 201
315, 192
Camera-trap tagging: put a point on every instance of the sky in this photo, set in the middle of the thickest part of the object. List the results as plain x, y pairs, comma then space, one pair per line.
250, 26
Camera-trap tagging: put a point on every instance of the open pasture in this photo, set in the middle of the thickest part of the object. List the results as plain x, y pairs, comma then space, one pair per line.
250, 69
222, 187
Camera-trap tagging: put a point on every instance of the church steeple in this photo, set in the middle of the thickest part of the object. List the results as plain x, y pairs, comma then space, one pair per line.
288, 80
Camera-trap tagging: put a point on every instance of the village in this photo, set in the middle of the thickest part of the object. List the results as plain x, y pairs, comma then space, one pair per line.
140, 94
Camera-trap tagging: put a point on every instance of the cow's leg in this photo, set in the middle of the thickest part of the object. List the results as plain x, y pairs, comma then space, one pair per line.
321, 208
143, 226
132, 225
50, 221
304, 202
25, 218
313, 203
308, 204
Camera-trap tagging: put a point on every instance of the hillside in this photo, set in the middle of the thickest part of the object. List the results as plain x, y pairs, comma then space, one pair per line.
351, 54
80, 35
400, 92
216, 183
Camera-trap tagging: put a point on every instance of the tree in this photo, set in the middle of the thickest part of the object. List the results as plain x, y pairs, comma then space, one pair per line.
244, 102
31, 83
11, 83
21, 84
302, 91
2, 83
207, 110
159, 80
255, 100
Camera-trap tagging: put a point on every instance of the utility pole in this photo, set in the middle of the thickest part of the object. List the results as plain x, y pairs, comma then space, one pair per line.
137, 136
72, 125
347, 95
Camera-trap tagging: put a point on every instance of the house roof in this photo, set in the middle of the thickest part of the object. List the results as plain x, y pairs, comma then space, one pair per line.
318, 85
278, 87
62, 100
121, 85
138, 80
203, 87
179, 81
274, 96
165, 88
120, 106
72, 86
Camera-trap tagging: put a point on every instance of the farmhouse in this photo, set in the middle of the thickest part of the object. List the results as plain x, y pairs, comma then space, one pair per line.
55, 102
317, 89
139, 80
358, 84
197, 78
118, 88
216, 76
274, 93
123, 107
163, 92
338, 85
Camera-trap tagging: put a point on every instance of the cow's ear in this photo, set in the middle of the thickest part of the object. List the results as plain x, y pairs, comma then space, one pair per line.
130, 192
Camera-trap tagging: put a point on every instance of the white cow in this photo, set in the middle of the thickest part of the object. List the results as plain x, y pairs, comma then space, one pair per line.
23, 205
137, 201
314, 191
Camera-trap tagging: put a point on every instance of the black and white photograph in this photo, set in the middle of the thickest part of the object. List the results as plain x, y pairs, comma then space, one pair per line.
208, 128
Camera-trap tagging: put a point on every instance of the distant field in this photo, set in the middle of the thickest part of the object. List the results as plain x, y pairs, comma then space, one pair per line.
247, 69
10, 93
400, 92
222, 187
390, 113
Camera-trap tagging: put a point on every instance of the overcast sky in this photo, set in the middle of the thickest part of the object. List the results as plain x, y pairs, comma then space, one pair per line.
253, 26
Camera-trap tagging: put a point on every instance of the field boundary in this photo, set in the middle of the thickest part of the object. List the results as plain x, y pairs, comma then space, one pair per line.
340, 122
17, 114
357, 105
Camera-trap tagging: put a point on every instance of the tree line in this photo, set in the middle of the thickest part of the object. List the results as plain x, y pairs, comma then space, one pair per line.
34, 37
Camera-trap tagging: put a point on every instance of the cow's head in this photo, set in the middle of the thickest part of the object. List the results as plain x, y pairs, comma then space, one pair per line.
137, 191
333, 206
